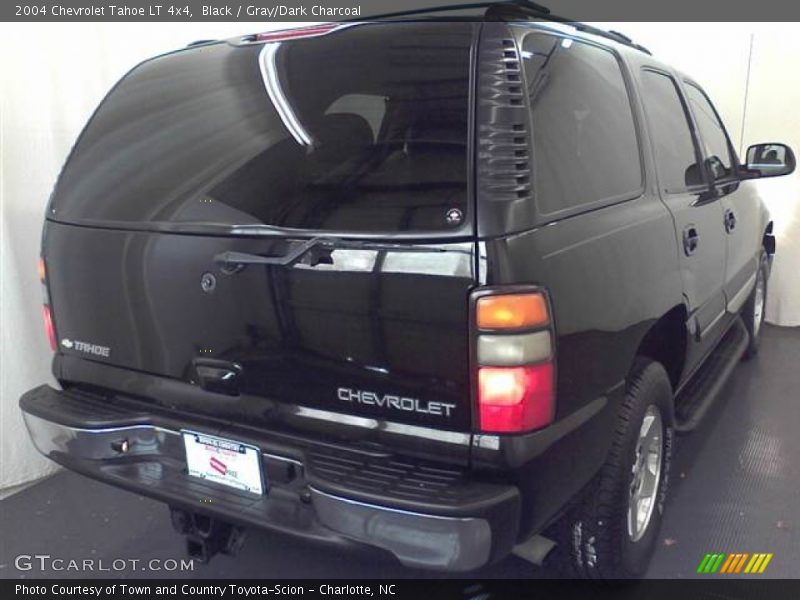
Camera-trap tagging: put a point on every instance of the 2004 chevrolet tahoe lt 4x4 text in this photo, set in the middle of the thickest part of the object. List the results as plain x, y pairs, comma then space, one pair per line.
431, 287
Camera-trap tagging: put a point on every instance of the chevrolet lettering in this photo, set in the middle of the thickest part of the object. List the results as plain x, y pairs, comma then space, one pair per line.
390, 401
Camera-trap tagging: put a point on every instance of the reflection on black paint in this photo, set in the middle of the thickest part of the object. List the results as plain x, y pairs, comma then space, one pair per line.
355, 131
585, 144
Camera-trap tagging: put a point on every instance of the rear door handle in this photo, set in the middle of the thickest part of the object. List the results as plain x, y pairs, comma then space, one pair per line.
730, 220
690, 239
220, 376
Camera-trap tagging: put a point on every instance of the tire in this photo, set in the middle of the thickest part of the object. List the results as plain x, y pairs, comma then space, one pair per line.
595, 538
753, 309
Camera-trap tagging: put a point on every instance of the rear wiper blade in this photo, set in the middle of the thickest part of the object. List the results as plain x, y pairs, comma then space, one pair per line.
231, 259
322, 248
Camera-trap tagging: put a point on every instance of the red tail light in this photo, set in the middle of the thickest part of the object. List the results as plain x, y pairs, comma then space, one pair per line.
513, 399
49, 328
515, 356
47, 314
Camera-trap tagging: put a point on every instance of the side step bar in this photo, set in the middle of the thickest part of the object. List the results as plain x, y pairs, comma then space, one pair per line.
699, 393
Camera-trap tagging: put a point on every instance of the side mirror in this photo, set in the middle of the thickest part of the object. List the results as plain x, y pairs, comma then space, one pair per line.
768, 160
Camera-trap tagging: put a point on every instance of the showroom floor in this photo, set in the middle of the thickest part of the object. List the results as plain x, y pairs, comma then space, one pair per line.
736, 488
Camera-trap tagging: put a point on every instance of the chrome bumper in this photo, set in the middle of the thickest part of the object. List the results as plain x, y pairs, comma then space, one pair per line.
155, 459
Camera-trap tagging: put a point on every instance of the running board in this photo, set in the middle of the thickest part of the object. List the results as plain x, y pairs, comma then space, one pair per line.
699, 393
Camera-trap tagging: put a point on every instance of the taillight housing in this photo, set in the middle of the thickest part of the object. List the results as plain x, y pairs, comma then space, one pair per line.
514, 356
47, 313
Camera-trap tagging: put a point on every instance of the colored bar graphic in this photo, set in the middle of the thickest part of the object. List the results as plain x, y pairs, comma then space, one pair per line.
717, 563
764, 564
703, 563
757, 564
710, 563
734, 563
741, 562
731, 560
737, 558
752, 562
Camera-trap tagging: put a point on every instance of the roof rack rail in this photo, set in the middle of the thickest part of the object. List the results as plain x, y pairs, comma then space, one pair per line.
509, 10
612, 35
522, 8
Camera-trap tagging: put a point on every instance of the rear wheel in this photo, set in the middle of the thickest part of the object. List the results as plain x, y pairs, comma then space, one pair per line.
612, 532
753, 309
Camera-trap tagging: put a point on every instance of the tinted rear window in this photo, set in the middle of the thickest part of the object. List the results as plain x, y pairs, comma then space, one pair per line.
364, 129
585, 146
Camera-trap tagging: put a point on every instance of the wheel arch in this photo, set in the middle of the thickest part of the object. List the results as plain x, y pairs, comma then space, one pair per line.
666, 342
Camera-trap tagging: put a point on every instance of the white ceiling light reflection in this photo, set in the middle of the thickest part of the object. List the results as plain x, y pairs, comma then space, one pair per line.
455, 262
762, 455
269, 73
345, 259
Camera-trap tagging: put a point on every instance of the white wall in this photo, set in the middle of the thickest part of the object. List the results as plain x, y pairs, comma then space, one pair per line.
773, 114
761, 109
53, 76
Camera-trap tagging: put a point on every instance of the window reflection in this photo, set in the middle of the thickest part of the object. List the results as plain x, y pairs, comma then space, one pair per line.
363, 130
269, 72
585, 145
455, 261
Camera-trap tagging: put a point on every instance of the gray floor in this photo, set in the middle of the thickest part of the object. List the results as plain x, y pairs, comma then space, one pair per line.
736, 488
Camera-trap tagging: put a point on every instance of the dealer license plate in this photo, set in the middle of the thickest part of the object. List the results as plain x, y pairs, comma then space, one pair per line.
224, 461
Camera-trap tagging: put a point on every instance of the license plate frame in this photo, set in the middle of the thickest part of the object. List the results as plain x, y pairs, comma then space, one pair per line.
224, 461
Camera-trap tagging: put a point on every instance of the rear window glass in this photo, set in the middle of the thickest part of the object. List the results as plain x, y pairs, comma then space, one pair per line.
585, 146
364, 129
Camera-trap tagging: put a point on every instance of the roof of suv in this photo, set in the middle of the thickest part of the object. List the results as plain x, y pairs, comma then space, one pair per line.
509, 10
506, 10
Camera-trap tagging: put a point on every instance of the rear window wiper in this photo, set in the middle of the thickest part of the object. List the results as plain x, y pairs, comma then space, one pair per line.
319, 250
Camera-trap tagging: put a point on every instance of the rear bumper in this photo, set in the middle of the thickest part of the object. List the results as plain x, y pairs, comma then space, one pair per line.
458, 525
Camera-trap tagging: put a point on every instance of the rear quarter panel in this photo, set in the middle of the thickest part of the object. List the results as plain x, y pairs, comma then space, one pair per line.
611, 272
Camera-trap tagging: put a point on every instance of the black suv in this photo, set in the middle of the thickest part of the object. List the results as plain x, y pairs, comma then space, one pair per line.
430, 287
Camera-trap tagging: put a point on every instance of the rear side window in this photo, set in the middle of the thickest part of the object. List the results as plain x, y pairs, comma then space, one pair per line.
364, 129
715, 140
673, 143
585, 144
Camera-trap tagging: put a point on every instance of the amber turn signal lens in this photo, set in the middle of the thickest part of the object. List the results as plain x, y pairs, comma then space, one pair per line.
512, 311
40, 269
